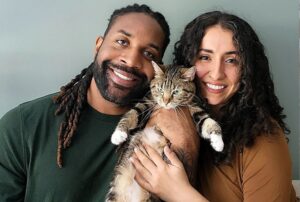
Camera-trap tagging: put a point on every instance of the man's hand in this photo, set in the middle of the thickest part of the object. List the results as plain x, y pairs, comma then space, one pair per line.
178, 126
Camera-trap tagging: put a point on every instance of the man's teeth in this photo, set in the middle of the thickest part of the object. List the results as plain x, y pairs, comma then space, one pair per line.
122, 76
215, 87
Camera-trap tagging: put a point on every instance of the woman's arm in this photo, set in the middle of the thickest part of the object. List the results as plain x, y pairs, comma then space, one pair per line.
168, 181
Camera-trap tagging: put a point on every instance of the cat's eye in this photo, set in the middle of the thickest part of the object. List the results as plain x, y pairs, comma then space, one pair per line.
175, 92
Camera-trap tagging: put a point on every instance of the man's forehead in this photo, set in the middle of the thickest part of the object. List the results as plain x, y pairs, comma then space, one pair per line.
137, 24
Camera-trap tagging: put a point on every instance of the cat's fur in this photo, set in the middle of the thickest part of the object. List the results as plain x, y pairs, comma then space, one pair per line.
171, 87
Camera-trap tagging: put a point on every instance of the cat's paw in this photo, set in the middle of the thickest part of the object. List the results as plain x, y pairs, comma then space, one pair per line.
216, 142
118, 137
209, 127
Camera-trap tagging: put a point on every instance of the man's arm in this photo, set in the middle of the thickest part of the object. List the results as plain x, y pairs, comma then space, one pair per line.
12, 157
178, 126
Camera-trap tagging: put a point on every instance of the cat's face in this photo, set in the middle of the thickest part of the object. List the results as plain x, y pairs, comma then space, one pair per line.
173, 86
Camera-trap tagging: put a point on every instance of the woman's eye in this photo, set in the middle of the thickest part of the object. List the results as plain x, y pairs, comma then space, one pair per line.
232, 61
122, 42
203, 57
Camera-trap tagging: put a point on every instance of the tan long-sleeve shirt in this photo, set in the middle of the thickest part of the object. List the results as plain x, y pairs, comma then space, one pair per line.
260, 173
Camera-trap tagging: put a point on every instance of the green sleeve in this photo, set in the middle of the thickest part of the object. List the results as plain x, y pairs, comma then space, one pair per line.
12, 157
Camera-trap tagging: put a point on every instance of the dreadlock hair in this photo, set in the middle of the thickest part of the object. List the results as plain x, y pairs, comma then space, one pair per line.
71, 100
73, 96
254, 109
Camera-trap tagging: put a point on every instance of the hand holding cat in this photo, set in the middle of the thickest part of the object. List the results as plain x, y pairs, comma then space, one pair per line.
178, 127
162, 179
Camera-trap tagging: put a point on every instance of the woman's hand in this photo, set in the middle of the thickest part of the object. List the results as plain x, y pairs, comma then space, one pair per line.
167, 181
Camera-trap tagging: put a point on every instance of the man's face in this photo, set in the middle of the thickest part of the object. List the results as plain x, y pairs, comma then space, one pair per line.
123, 63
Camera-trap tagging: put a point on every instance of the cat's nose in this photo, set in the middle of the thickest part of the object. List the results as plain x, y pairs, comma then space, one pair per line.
167, 98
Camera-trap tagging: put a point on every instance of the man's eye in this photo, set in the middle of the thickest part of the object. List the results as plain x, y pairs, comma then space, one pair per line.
122, 42
149, 55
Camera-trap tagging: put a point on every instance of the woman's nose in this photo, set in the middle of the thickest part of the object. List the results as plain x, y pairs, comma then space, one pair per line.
217, 71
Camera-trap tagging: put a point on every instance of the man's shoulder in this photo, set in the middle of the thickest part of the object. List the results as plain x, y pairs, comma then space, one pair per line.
33, 108
38, 102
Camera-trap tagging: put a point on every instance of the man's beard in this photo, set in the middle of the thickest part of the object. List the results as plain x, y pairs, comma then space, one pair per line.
116, 93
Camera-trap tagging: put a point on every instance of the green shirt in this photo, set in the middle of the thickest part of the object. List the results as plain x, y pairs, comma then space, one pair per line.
28, 143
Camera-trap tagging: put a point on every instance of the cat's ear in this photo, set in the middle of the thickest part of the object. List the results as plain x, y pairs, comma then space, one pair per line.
157, 69
189, 73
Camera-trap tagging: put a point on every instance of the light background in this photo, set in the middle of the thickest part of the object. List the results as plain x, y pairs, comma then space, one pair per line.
44, 44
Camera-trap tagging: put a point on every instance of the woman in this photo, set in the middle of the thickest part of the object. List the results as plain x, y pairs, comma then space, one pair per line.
233, 75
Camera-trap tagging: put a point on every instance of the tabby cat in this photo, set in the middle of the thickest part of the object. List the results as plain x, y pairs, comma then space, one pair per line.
171, 87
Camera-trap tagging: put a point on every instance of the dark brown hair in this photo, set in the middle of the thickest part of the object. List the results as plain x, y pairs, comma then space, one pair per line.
255, 108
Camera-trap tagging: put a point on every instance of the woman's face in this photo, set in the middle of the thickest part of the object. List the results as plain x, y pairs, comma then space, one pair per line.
218, 66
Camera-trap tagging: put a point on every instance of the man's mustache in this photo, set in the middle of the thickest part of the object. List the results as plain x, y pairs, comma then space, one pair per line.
130, 70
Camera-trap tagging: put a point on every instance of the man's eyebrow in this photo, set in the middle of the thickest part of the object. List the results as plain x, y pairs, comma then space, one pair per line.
125, 33
152, 45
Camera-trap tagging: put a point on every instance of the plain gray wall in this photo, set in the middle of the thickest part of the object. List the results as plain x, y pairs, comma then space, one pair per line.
43, 44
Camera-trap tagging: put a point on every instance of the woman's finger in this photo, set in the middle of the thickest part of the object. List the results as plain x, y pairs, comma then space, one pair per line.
139, 178
140, 168
171, 155
154, 156
144, 160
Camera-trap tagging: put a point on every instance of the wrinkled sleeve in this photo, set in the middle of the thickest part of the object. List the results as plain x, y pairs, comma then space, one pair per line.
267, 170
12, 157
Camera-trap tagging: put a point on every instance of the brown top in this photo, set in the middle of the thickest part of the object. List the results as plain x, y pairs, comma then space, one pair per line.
260, 173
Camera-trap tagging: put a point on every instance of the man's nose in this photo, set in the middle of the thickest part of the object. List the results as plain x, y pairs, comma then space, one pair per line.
132, 58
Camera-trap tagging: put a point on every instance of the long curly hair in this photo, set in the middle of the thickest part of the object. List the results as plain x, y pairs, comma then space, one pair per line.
73, 97
254, 109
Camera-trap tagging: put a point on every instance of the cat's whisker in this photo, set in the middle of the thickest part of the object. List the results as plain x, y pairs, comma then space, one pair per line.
182, 114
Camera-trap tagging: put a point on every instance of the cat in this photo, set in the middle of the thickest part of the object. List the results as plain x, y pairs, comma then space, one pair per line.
171, 87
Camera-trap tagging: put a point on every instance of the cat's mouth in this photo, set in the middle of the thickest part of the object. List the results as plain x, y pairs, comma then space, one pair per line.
123, 78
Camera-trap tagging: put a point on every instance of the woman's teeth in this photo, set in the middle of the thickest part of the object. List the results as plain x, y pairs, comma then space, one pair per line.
215, 87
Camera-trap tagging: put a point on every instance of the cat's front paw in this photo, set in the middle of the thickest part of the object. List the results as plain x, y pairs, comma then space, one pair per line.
118, 137
216, 142
211, 130
209, 127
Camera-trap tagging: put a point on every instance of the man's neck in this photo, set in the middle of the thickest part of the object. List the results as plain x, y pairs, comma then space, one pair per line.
98, 102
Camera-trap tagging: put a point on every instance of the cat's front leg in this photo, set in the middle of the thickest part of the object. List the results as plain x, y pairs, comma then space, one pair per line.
129, 121
211, 130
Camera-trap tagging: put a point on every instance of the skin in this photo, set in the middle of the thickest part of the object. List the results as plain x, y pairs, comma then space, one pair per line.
134, 40
217, 64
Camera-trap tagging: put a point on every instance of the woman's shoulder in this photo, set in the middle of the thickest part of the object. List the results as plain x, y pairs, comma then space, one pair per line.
268, 151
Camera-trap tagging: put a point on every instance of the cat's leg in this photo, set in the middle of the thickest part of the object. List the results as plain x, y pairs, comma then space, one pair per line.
129, 121
210, 129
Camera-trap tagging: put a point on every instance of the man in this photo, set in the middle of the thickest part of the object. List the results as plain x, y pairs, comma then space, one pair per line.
89, 108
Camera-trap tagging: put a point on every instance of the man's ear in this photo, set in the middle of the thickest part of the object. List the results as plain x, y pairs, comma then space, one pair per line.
99, 41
